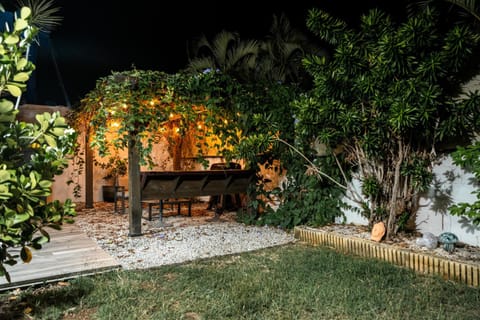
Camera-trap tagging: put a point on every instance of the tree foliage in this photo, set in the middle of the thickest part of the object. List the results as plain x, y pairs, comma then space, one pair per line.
277, 57
31, 154
131, 109
469, 159
227, 53
387, 96
140, 103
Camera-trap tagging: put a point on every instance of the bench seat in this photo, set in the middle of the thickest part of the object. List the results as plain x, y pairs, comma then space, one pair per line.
161, 203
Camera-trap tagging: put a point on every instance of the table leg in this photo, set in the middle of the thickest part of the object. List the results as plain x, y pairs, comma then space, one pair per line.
160, 203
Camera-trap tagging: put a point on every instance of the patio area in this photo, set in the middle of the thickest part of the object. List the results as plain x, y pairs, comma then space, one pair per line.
98, 241
70, 253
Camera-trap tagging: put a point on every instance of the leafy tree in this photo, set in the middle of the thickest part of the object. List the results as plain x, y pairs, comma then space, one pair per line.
281, 53
264, 115
387, 96
226, 53
31, 154
468, 158
462, 8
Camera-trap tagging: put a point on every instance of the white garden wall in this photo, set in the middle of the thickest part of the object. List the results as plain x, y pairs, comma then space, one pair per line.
433, 215
451, 185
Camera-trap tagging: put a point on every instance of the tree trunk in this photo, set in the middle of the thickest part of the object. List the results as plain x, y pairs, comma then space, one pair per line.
88, 171
134, 192
177, 153
395, 193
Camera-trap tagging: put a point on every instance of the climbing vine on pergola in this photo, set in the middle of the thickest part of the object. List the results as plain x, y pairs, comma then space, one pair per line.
135, 106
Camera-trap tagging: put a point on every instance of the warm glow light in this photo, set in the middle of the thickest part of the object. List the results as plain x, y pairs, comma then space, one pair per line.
177, 130
124, 106
225, 121
115, 124
171, 115
152, 103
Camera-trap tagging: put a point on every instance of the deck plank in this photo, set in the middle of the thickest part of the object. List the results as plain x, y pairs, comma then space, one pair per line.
70, 253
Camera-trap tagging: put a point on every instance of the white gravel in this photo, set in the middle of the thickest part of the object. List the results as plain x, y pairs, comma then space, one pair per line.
177, 239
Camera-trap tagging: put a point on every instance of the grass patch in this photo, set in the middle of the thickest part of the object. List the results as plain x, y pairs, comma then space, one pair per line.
289, 282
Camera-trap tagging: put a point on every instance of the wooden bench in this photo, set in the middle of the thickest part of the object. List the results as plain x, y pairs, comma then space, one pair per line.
161, 203
157, 186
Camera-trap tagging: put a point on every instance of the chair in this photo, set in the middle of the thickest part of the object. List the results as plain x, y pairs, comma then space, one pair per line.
120, 194
229, 202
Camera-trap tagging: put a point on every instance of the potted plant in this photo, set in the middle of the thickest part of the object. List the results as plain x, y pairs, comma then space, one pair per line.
115, 167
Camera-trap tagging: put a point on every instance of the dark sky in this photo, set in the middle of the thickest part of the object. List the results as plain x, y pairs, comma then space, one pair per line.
97, 37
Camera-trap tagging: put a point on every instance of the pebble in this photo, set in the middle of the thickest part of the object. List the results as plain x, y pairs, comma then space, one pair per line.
181, 238
177, 239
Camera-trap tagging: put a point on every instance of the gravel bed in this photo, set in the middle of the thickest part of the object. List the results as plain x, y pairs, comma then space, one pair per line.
181, 238
176, 239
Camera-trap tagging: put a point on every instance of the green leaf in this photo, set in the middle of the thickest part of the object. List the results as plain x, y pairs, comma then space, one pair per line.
22, 63
33, 179
4, 175
59, 132
25, 12
45, 184
14, 90
21, 217
7, 118
6, 238
6, 106
11, 262
47, 116
20, 24
51, 141
60, 121
12, 39
44, 233
41, 240
4, 272
55, 226
21, 77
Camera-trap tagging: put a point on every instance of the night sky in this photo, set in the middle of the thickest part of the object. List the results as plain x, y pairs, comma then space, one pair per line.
98, 37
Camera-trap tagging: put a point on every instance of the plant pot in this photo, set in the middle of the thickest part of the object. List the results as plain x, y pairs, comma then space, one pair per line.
108, 193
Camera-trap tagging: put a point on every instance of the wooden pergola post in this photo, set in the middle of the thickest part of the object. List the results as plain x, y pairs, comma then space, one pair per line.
88, 171
134, 193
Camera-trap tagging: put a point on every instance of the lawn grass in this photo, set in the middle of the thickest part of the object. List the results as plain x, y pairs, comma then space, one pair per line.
289, 282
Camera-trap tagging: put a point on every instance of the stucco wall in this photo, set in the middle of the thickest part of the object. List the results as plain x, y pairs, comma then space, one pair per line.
160, 156
451, 185
433, 214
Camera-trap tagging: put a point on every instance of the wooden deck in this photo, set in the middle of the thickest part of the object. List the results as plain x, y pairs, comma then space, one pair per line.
70, 253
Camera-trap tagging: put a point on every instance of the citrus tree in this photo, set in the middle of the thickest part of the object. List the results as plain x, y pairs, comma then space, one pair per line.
387, 96
31, 154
